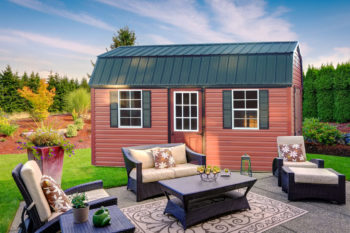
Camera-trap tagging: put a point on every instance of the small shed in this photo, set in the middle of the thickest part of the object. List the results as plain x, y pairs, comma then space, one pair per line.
223, 100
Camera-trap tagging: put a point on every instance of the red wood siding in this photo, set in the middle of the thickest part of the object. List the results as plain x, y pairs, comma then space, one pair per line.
298, 85
107, 141
224, 147
297, 70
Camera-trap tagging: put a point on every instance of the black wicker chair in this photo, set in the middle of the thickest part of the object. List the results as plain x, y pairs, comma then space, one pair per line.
146, 190
33, 222
277, 163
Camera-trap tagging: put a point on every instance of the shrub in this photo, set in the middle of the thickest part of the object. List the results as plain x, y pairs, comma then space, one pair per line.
79, 101
9, 129
342, 93
79, 123
316, 131
71, 131
2, 140
41, 101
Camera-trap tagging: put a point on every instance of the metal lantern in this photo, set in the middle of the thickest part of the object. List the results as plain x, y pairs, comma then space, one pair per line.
246, 166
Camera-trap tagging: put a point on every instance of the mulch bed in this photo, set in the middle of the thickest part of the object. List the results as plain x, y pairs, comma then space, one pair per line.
83, 140
340, 150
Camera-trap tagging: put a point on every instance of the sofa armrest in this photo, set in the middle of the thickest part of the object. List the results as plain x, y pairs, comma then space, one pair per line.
98, 184
131, 162
319, 162
194, 157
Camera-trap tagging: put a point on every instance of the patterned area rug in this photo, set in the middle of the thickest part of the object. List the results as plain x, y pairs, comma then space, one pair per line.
265, 213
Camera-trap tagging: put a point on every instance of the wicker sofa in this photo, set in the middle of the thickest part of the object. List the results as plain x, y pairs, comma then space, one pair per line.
143, 177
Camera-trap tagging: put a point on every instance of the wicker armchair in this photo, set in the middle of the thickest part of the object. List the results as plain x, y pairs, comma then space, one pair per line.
278, 163
33, 222
146, 190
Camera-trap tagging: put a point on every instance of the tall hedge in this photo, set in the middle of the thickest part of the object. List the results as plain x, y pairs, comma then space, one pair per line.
325, 94
342, 93
309, 94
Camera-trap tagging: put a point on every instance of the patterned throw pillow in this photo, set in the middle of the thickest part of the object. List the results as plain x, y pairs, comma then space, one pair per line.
163, 158
55, 196
292, 152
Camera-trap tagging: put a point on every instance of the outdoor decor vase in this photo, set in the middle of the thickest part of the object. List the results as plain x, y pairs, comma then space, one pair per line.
81, 214
49, 165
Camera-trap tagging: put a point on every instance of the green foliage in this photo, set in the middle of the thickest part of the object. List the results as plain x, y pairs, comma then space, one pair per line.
342, 93
316, 131
75, 115
72, 131
8, 130
79, 101
2, 140
79, 123
79, 200
46, 136
309, 93
125, 37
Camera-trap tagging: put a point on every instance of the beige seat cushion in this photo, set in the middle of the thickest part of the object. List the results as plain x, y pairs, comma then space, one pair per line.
96, 194
54, 215
314, 175
306, 164
179, 153
186, 169
153, 174
144, 156
31, 176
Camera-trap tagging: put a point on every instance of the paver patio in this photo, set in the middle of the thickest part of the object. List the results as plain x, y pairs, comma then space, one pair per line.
321, 216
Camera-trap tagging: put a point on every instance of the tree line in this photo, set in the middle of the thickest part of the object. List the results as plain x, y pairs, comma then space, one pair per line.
326, 93
10, 83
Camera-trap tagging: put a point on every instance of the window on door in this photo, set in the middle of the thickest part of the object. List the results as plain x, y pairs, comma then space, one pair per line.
130, 110
245, 109
186, 111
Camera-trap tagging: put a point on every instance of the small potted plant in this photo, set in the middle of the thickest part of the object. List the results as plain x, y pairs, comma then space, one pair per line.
80, 208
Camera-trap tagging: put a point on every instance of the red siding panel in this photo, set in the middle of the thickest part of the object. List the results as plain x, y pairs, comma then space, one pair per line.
107, 141
224, 147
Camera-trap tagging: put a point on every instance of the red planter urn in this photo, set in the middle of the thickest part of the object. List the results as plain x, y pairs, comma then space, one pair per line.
49, 165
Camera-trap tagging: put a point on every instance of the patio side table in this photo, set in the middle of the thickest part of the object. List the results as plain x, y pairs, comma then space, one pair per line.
119, 223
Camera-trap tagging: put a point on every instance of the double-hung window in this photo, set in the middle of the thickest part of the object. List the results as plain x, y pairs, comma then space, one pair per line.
245, 107
130, 109
186, 111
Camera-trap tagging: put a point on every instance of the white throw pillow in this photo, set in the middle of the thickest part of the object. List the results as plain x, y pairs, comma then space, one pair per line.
179, 153
144, 156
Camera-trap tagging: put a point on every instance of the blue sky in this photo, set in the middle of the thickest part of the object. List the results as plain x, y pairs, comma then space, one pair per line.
65, 36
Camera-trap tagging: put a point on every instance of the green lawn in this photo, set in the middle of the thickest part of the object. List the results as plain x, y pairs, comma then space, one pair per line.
76, 170
339, 164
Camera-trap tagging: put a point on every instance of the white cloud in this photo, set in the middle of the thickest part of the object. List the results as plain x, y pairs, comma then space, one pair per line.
227, 21
339, 55
53, 42
78, 17
160, 39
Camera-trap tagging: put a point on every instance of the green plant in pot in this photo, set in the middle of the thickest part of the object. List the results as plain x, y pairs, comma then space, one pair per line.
101, 217
80, 207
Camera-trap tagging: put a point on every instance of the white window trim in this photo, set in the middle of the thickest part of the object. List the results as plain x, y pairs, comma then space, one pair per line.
174, 112
119, 108
245, 109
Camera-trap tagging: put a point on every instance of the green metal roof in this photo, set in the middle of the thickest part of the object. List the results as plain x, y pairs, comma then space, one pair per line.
203, 65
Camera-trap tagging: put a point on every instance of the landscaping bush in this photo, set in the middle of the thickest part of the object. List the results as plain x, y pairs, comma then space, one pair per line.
72, 131
309, 93
8, 130
79, 123
316, 131
41, 101
325, 93
342, 93
78, 101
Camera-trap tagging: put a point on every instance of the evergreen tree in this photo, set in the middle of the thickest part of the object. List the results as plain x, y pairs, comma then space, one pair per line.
309, 94
125, 37
325, 93
342, 93
85, 84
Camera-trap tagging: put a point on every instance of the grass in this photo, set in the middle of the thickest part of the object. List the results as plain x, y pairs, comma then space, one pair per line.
339, 164
76, 170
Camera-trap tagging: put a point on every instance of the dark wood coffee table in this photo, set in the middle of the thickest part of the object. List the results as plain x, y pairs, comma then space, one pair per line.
119, 223
196, 200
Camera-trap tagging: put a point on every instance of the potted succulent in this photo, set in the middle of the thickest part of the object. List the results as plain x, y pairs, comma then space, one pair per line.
80, 207
47, 147
226, 172
208, 173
